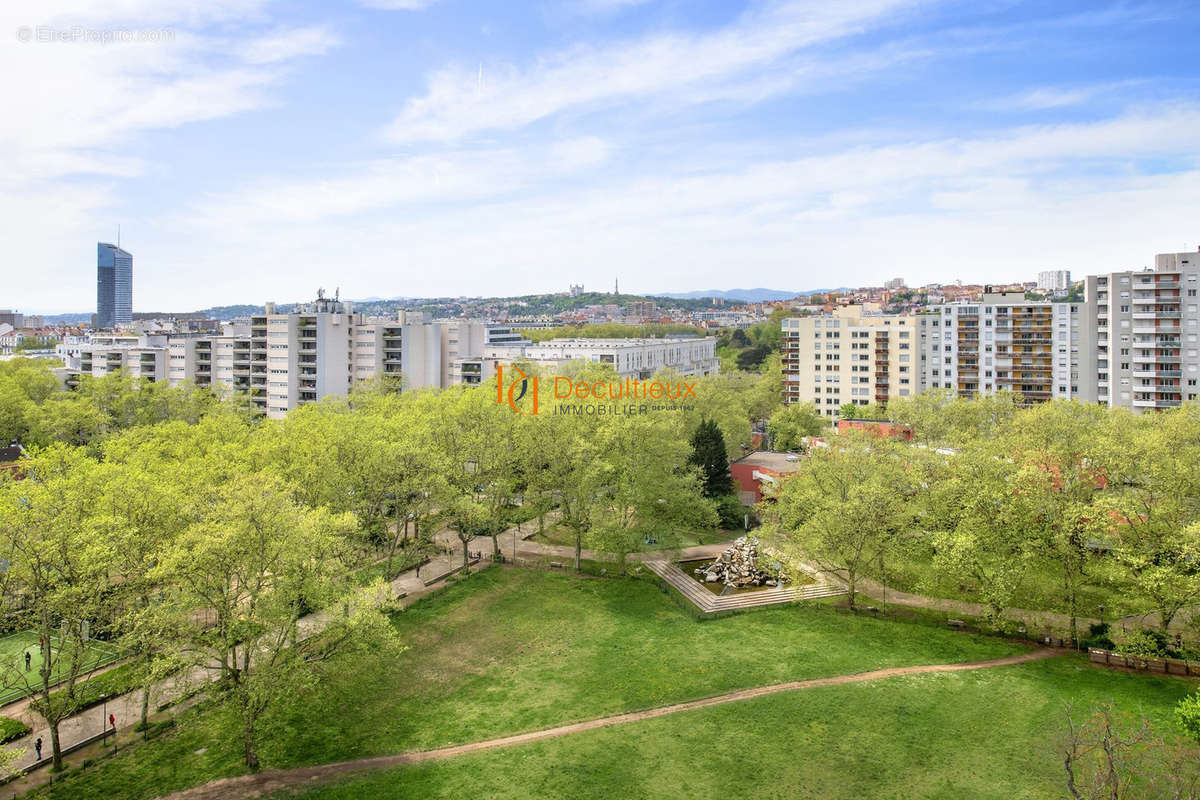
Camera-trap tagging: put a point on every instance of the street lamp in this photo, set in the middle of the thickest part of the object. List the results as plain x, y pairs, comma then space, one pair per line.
104, 719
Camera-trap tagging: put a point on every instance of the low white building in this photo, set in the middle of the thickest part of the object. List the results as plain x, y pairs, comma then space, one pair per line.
631, 358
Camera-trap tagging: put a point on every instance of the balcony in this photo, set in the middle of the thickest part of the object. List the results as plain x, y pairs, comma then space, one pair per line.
1155, 403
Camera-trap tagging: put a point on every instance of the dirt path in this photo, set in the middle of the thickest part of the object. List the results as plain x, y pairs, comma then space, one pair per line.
263, 783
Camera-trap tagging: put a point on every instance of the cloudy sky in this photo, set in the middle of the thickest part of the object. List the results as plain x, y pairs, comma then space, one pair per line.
254, 151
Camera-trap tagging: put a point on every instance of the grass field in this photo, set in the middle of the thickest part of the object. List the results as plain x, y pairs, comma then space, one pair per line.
12, 658
512, 650
987, 734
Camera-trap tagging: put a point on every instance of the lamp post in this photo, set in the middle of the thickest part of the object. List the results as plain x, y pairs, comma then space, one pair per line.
104, 719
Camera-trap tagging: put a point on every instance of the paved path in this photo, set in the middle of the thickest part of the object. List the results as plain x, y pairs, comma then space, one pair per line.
257, 785
1035, 621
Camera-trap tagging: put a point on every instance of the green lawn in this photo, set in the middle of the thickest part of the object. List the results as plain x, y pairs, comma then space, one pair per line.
987, 734
12, 662
511, 650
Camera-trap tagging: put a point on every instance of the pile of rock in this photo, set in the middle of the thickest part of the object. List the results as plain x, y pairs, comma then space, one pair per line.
739, 567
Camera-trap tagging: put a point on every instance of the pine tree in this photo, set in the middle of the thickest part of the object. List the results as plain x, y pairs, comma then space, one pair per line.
708, 453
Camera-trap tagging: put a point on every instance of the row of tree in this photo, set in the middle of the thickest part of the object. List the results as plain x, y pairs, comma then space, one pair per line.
200, 537
1079, 492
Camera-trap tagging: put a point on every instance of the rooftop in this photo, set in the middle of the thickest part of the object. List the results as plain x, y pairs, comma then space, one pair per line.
776, 462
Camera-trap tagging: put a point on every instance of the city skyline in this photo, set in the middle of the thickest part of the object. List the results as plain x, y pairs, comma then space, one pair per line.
446, 149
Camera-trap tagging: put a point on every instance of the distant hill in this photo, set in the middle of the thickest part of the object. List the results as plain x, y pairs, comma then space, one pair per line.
748, 295
65, 319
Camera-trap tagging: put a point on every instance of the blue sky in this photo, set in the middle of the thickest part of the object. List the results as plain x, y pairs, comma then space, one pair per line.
254, 151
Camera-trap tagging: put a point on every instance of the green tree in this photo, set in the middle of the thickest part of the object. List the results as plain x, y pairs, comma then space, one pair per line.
646, 498
257, 562
708, 455
987, 535
1061, 460
1149, 513
790, 425
58, 578
848, 506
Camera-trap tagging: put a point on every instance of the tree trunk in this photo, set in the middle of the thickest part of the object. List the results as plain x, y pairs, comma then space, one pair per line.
145, 720
1072, 602
850, 584
466, 555
578, 550
495, 544
55, 747
249, 750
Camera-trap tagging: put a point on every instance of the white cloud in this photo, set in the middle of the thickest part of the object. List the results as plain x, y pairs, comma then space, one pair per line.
509, 220
285, 45
398, 5
1050, 97
457, 103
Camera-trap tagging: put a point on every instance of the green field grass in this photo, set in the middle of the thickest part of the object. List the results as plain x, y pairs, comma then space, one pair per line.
512, 650
986, 734
12, 659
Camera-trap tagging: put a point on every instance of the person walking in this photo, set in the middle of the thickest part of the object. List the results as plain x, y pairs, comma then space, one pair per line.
38, 747
28, 658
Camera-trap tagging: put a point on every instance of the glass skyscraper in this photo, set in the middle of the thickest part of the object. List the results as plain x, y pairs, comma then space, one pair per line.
114, 286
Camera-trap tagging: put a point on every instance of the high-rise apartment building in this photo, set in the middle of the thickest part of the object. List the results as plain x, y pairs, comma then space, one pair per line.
1144, 352
1002, 342
1054, 280
894, 283
849, 357
303, 355
114, 286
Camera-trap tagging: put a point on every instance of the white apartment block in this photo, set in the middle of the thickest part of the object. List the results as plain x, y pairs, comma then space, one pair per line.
1054, 280
1144, 348
284, 360
631, 358
143, 356
1002, 342
849, 358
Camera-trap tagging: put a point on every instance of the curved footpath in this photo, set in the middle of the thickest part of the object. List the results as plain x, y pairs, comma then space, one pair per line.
257, 785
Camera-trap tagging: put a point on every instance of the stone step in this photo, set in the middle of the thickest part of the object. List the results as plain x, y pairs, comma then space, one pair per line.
708, 602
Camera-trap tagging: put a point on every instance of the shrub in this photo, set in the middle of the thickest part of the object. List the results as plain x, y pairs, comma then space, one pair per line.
1146, 643
11, 729
1098, 637
730, 511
